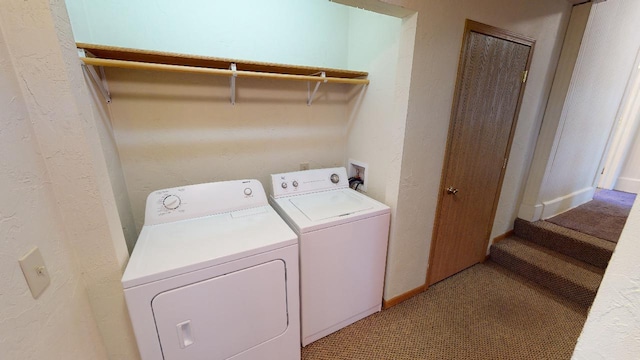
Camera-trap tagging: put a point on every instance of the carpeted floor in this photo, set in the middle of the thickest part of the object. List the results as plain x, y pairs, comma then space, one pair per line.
603, 217
484, 312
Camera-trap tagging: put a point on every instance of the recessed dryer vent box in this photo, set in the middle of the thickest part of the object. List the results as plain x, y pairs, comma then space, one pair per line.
358, 169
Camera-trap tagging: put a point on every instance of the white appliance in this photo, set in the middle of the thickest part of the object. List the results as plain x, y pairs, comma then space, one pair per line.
343, 237
214, 275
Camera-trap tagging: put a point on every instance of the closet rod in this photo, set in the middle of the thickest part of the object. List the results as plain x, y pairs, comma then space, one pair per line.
200, 70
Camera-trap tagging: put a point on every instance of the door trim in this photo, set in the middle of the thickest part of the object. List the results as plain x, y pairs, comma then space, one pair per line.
474, 26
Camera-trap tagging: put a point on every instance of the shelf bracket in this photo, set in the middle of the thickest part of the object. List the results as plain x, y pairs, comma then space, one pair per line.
311, 95
99, 80
234, 69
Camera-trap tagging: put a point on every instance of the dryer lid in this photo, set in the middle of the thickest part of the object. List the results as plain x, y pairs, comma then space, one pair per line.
330, 204
179, 247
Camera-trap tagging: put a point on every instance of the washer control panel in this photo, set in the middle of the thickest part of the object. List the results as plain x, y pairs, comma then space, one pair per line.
192, 201
308, 181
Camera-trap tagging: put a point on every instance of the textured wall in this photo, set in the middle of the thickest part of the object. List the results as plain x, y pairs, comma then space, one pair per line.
437, 48
612, 329
384, 47
102, 115
59, 324
39, 40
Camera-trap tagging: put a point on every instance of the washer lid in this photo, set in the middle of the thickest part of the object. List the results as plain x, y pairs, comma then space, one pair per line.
330, 204
311, 212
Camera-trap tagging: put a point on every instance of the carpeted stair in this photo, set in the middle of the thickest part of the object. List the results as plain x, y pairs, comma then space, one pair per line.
567, 262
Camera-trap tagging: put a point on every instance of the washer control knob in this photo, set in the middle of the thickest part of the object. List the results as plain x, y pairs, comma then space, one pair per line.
284, 185
171, 202
294, 183
335, 178
248, 191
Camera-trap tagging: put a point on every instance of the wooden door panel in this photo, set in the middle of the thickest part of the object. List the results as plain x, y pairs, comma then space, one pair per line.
488, 94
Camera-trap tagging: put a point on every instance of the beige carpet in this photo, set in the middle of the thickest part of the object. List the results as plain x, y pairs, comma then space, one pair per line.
484, 312
603, 217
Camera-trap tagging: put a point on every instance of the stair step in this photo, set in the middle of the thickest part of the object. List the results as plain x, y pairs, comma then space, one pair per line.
559, 273
583, 247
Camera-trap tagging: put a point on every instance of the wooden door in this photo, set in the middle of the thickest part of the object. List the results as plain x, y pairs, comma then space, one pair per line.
489, 88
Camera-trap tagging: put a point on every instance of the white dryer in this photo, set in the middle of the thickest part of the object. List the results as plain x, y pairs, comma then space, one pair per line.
343, 237
214, 275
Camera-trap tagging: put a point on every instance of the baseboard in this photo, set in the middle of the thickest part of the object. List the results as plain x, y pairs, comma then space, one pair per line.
530, 213
499, 238
629, 185
402, 297
567, 202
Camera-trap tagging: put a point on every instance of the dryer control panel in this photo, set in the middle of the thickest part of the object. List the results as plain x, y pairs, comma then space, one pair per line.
193, 201
308, 181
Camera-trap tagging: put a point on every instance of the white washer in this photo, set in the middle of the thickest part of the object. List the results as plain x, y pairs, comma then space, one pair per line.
214, 275
343, 237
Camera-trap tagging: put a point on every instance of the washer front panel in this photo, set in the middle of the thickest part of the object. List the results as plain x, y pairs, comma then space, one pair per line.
341, 275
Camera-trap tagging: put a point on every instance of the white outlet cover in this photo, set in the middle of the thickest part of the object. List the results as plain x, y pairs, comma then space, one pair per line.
35, 272
351, 171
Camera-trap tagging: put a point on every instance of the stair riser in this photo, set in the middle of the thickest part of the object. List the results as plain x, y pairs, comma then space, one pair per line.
551, 281
562, 243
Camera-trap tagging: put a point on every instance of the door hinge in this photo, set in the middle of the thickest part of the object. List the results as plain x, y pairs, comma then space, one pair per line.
524, 75
504, 164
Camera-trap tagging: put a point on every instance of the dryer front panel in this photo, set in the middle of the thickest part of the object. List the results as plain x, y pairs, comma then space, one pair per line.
223, 316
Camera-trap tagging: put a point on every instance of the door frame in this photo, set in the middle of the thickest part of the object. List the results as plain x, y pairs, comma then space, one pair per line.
477, 27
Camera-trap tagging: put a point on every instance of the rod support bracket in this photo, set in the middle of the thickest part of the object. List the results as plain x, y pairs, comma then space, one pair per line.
233, 67
99, 80
311, 95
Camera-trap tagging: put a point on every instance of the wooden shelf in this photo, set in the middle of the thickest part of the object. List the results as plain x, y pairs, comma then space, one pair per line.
109, 56
167, 58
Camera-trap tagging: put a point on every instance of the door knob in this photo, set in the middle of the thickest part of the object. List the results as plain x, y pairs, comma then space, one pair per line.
451, 190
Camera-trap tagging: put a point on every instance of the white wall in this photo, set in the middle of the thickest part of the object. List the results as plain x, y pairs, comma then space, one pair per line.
602, 69
383, 46
612, 328
59, 190
29, 216
547, 142
310, 32
438, 40
623, 134
179, 129
374, 45
101, 114
629, 179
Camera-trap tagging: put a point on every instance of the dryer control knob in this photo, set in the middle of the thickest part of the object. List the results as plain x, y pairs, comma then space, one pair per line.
294, 183
171, 202
248, 191
335, 178
284, 185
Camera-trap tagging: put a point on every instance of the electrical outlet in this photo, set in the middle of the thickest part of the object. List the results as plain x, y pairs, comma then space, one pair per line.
35, 272
304, 166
